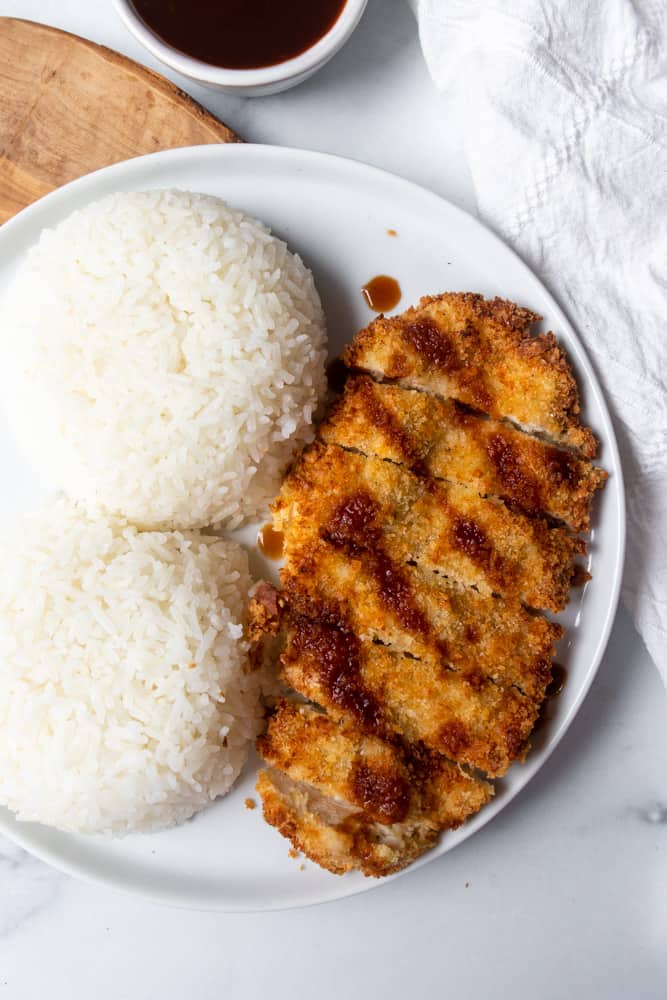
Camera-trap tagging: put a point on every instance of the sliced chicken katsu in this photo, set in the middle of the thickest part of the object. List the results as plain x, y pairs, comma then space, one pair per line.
350, 800
415, 611
440, 438
480, 352
352, 500
419, 536
469, 718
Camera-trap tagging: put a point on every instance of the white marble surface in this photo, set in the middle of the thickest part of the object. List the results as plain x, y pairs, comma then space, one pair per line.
563, 895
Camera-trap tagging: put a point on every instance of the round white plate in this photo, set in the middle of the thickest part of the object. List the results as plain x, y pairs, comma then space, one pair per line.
336, 214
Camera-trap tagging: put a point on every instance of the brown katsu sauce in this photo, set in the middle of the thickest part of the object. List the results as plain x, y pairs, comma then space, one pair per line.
338, 652
270, 542
352, 525
385, 796
580, 576
557, 682
563, 466
472, 540
431, 344
382, 417
352, 528
517, 483
554, 688
382, 293
240, 34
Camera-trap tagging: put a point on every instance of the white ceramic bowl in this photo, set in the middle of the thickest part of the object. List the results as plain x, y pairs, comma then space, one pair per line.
246, 82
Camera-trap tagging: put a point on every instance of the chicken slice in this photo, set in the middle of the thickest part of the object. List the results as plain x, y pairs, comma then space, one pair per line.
440, 438
349, 800
354, 501
481, 353
469, 719
417, 612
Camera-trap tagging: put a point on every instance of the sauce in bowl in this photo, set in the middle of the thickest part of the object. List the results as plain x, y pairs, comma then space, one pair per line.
240, 34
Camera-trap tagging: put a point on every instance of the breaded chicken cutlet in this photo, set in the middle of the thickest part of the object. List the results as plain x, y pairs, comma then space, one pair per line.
470, 719
352, 500
422, 614
440, 438
421, 531
479, 352
350, 800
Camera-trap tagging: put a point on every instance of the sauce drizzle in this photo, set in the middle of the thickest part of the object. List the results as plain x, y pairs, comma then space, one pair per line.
382, 293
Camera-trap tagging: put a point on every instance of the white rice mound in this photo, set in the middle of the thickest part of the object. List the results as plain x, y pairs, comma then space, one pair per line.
163, 356
126, 702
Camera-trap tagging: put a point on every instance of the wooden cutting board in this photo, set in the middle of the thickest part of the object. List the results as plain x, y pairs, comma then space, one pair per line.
69, 106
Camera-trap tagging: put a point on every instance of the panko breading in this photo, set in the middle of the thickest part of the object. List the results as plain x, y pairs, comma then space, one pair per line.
350, 800
353, 500
417, 612
438, 437
419, 537
481, 353
469, 719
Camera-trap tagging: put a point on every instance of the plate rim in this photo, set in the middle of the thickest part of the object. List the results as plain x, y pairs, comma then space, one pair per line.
11, 828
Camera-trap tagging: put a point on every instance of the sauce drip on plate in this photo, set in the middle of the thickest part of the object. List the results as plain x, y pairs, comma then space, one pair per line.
240, 34
554, 688
557, 682
382, 293
270, 542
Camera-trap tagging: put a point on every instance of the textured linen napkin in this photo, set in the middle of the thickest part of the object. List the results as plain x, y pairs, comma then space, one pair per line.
563, 109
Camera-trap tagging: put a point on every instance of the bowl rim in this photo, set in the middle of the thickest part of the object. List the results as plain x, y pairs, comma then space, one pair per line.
310, 60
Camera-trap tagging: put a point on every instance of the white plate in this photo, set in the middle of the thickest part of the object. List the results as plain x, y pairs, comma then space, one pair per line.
336, 214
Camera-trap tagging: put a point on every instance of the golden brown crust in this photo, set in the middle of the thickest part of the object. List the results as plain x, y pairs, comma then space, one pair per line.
470, 720
415, 536
424, 615
376, 850
343, 763
263, 612
438, 437
353, 501
287, 810
481, 353
349, 800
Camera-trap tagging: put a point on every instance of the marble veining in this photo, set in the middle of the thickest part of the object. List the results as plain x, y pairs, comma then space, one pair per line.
655, 812
27, 887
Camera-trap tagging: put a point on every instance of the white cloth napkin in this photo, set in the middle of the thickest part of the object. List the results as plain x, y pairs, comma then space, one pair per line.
563, 107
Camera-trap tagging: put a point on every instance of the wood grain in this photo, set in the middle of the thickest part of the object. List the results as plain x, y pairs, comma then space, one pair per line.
69, 106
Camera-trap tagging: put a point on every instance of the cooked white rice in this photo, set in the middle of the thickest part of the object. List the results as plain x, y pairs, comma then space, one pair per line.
163, 355
124, 702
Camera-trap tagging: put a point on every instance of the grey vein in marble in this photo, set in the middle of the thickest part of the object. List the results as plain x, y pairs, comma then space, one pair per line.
654, 812
27, 886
